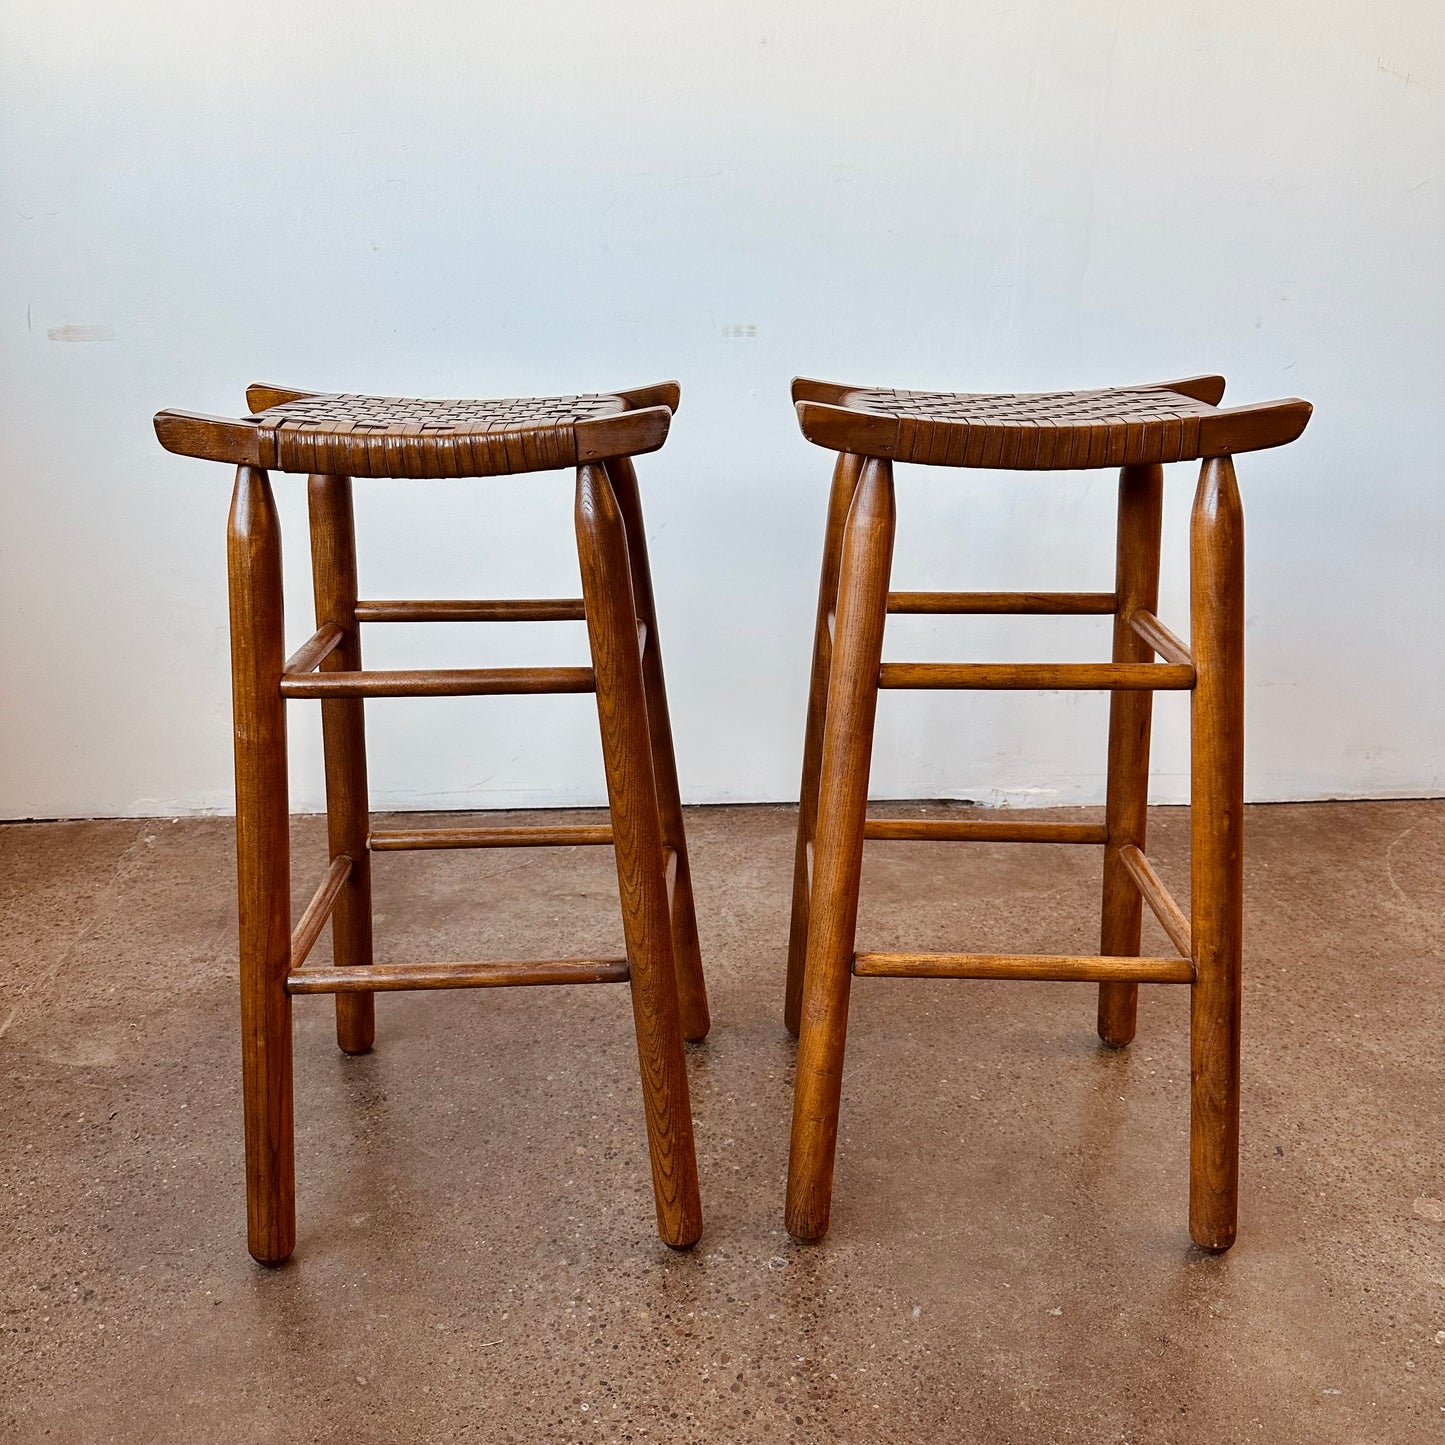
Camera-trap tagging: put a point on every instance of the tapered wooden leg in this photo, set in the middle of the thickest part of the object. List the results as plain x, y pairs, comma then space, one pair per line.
687, 955
343, 730
263, 855
1217, 842
845, 482
1136, 584
638, 841
852, 703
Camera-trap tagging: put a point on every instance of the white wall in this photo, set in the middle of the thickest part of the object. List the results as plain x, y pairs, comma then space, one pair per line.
474, 198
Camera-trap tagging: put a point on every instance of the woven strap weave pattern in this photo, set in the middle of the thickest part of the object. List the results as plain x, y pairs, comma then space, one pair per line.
384, 436
1040, 431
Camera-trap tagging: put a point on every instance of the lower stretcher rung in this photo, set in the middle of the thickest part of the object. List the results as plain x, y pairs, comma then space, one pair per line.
969, 830
1062, 968
1044, 676
560, 836
507, 609
388, 977
1018, 603
440, 682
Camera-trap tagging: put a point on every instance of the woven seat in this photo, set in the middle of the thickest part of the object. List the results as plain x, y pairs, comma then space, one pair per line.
344, 434
1043, 431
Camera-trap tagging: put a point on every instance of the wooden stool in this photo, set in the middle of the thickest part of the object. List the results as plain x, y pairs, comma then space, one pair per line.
333, 438
1137, 429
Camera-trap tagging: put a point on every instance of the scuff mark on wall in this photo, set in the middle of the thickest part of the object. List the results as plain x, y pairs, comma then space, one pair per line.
80, 333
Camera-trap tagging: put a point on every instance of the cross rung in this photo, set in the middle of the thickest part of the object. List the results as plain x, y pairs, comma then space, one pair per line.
512, 609
1156, 895
315, 650
1048, 676
1159, 637
313, 920
1046, 603
388, 977
947, 830
1066, 969
562, 836
456, 682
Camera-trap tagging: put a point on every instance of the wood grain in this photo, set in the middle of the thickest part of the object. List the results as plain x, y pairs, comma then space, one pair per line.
629, 435
511, 609
1253, 428
316, 649
686, 951
867, 555
343, 733
1160, 639
440, 682
1070, 968
313, 918
840, 497
1216, 853
392, 977
263, 859
637, 836
1046, 676
550, 836
660, 393
1136, 584
263, 394
1157, 896
1056, 604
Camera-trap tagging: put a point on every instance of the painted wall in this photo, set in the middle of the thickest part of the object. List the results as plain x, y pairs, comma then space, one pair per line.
456, 198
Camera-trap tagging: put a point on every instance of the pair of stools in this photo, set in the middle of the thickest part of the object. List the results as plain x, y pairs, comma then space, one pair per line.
333, 438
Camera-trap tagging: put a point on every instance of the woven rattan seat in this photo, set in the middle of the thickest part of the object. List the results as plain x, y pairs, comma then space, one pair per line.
345, 434
1043, 431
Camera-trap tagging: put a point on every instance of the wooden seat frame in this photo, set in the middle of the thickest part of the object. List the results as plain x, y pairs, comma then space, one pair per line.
848, 671
662, 965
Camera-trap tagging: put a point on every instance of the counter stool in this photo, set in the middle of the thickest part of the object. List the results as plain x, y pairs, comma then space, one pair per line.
333, 438
1137, 429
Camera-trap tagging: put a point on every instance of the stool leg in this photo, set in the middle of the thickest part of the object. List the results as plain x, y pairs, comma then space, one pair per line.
637, 836
687, 956
867, 555
845, 482
1217, 841
1136, 584
343, 731
263, 864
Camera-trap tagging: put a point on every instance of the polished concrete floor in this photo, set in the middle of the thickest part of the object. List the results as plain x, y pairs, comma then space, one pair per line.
476, 1261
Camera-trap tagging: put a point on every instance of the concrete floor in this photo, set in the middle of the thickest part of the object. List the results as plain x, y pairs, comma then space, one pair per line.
476, 1258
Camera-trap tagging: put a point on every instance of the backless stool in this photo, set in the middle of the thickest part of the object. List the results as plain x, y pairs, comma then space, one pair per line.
332, 439
1137, 429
